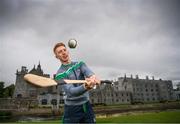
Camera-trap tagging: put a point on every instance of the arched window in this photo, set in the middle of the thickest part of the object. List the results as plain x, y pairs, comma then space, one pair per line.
19, 95
61, 101
44, 101
54, 102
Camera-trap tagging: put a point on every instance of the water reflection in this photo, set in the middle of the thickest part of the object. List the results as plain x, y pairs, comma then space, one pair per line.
29, 118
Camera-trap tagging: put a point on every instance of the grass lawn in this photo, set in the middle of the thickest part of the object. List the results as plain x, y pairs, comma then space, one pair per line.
153, 117
148, 117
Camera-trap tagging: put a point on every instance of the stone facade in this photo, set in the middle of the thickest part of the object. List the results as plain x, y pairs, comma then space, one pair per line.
177, 92
26, 90
125, 90
107, 94
146, 90
49, 98
133, 90
20, 104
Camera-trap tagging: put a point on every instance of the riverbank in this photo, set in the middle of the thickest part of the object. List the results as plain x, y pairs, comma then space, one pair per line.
168, 116
46, 113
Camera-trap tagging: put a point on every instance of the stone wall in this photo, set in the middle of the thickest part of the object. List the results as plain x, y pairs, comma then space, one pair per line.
17, 104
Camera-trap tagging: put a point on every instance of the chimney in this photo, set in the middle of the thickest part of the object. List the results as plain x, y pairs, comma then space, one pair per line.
152, 77
137, 77
131, 76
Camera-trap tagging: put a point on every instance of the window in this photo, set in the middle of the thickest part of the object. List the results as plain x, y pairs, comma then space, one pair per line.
19, 96
61, 101
44, 101
54, 102
32, 93
61, 94
116, 94
125, 87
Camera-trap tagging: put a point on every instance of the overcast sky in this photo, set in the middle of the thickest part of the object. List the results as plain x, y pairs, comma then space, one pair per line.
115, 37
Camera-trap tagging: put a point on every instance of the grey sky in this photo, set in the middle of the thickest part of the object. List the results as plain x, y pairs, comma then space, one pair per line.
114, 36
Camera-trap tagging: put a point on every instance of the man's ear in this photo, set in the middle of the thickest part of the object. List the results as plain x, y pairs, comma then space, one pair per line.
56, 57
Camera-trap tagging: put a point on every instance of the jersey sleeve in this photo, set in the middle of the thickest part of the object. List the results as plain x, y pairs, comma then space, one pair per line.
86, 70
74, 91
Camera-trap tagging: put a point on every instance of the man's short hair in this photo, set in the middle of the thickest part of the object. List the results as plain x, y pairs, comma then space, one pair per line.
58, 45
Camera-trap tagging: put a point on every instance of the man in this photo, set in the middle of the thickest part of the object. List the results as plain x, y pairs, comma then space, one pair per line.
77, 108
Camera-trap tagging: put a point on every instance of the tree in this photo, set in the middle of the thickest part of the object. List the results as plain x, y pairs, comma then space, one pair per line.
9, 90
6, 92
1, 89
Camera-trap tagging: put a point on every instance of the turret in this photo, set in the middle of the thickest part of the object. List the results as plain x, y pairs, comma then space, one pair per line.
152, 77
131, 76
137, 77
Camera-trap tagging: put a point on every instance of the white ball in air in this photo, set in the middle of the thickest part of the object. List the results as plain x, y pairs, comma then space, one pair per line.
72, 43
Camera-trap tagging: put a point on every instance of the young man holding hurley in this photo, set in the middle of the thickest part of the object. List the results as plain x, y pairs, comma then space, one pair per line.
77, 108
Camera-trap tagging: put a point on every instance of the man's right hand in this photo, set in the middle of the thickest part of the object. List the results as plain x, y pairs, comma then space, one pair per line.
89, 83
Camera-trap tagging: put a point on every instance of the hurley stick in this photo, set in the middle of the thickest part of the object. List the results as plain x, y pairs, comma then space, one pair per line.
46, 82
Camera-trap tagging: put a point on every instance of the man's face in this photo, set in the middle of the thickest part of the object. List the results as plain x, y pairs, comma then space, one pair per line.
62, 54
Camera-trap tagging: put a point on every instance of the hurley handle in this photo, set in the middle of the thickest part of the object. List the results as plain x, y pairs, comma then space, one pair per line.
65, 81
106, 81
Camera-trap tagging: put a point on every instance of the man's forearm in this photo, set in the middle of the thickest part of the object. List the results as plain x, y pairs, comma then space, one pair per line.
74, 91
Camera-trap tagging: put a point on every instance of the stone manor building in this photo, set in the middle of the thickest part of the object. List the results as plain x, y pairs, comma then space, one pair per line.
26, 90
133, 90
125, 90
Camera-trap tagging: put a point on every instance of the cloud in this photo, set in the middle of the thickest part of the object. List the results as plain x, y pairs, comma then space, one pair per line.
114, 37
